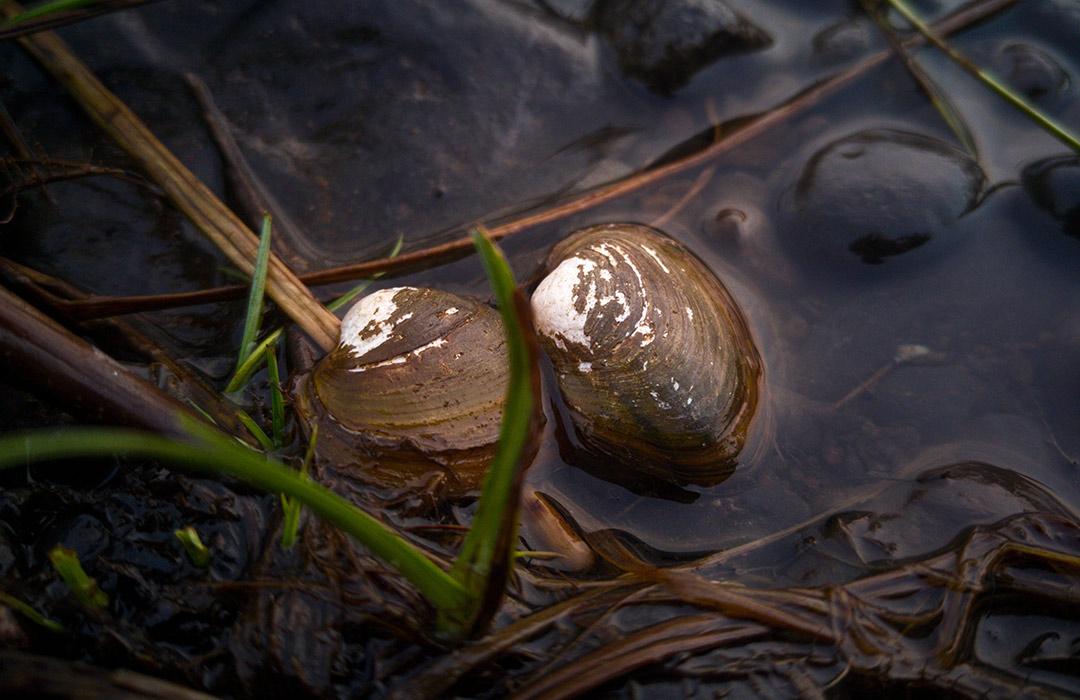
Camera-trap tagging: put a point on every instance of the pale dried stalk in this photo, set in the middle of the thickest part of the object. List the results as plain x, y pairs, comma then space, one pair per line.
206, 211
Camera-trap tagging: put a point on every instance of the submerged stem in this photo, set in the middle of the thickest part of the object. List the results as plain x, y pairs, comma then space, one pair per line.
1059, 131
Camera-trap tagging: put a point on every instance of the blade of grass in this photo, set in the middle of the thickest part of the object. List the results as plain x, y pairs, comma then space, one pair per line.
950, 114
264, 440
82, 585
28, 612
48, 8
50, 15
186, 191
254, 361
215, 453
355, 291
487, 553
193, 546
290, 522
255, 297
291, 525
1032, 112
277, 400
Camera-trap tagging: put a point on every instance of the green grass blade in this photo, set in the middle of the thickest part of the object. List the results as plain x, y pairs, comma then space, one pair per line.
1050, 125
48, 8
29, 613
217, 454
193, 546
255, 360
81, 584
355, 291
277, 400
941, 101
291, 523
488, 547
255, 298
264, 440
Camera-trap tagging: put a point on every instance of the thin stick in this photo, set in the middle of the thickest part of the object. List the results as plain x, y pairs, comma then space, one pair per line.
948, 111
60, 171
1031, 111
413, 260
801, 102
50, 358
699, 184
32, 24
21, 148
46, 292
30, 675
185, 190
249, 195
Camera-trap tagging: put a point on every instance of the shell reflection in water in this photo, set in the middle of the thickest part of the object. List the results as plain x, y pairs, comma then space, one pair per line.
653, 358
415, 387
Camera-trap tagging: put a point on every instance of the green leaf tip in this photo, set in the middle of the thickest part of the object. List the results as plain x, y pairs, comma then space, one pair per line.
487, 553
193, 546
82, 585
255, 296
290, 527
30, 613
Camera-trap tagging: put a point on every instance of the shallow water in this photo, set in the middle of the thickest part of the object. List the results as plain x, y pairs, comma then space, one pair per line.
851, 232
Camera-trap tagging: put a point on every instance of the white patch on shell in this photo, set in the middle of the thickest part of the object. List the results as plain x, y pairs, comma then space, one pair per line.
403, 358
653, 254
603, 249
554, 303
366, 326
451, 311
584, 367
689, 313
643, 328
556, 300
621, 298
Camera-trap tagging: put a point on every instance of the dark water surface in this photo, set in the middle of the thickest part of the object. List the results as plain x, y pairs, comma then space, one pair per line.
916, 306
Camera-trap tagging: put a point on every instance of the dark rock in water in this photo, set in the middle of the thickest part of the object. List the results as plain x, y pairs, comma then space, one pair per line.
1054, 184
664, 43
1032, 71
879, 194
844, 40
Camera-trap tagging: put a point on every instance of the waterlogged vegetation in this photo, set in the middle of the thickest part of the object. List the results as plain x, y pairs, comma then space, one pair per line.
903, 513
487, 549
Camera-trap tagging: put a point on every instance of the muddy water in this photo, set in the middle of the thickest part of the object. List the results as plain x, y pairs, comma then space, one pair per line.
915, 303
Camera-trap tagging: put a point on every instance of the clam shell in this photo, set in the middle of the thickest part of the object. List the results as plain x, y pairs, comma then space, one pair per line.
653, 357
416, 386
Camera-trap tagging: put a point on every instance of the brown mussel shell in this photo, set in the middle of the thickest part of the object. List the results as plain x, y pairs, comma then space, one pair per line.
654, 360
415, 387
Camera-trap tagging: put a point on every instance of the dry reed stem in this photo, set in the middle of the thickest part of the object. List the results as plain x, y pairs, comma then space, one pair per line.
191, 196
444, 252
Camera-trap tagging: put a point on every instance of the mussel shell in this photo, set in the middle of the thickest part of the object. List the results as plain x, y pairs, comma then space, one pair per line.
415, 387
654, 360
